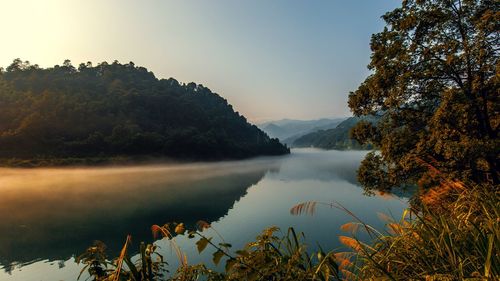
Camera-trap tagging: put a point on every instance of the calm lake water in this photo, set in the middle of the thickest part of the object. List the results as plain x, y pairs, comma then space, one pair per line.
49, 216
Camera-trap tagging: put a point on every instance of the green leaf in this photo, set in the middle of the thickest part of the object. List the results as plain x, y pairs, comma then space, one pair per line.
202, 244
217, 256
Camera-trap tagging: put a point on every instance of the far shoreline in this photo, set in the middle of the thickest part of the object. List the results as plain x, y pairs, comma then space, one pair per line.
121, 160
133, 160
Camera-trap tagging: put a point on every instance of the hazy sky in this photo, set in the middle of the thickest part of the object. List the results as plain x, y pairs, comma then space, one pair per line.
271, 59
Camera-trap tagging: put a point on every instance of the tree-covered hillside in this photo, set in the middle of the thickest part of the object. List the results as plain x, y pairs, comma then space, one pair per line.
336, 138
118, 109
289, 128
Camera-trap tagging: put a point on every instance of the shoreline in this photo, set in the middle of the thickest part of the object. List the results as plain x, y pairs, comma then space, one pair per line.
120, 160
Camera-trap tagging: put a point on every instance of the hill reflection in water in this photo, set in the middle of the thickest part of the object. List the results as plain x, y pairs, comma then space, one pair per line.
52, 214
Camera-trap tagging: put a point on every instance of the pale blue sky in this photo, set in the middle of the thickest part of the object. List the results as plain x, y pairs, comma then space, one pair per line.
271, 59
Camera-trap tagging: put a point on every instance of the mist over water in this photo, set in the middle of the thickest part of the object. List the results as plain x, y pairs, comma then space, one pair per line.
50, 215
45, 213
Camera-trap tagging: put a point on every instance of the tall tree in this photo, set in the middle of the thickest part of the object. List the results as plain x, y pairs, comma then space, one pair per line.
435, 81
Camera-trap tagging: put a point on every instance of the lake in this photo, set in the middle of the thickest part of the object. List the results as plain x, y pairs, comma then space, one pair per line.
50, 215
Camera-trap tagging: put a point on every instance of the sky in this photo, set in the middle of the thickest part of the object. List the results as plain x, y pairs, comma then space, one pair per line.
271, 59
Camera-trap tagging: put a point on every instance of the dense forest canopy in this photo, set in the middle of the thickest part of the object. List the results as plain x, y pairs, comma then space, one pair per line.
118, 109
436, 81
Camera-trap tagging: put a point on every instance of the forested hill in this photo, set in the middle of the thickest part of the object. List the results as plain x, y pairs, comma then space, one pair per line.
118, 110
336, 138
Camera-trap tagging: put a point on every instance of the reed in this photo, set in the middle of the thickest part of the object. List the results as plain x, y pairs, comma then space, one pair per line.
453, 233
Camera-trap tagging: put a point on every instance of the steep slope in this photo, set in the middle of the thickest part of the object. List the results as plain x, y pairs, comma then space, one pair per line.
274, 130
334, 123
337, 138
118, 109
288, 128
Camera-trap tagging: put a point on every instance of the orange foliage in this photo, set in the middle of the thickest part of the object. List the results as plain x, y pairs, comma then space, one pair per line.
350, 242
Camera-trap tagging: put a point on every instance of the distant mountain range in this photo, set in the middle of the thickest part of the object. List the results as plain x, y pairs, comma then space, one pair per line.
321, 133
287, 130
336, 138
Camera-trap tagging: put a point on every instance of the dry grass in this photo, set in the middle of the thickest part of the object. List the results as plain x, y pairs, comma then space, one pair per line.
455, 237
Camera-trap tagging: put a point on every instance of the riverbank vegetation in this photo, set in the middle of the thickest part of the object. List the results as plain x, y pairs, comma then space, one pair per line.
453, 234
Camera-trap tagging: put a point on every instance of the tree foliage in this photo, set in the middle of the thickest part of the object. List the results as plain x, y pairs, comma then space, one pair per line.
118, 109
435, 81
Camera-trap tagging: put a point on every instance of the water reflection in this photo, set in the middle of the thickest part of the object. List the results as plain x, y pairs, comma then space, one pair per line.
312, 164
52, 214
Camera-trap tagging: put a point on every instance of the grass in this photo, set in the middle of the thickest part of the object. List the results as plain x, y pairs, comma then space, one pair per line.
453, 233
269, 257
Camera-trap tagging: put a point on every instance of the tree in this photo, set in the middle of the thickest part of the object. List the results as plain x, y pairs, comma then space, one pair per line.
68, 66
16, 65
118, 110
435, 83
